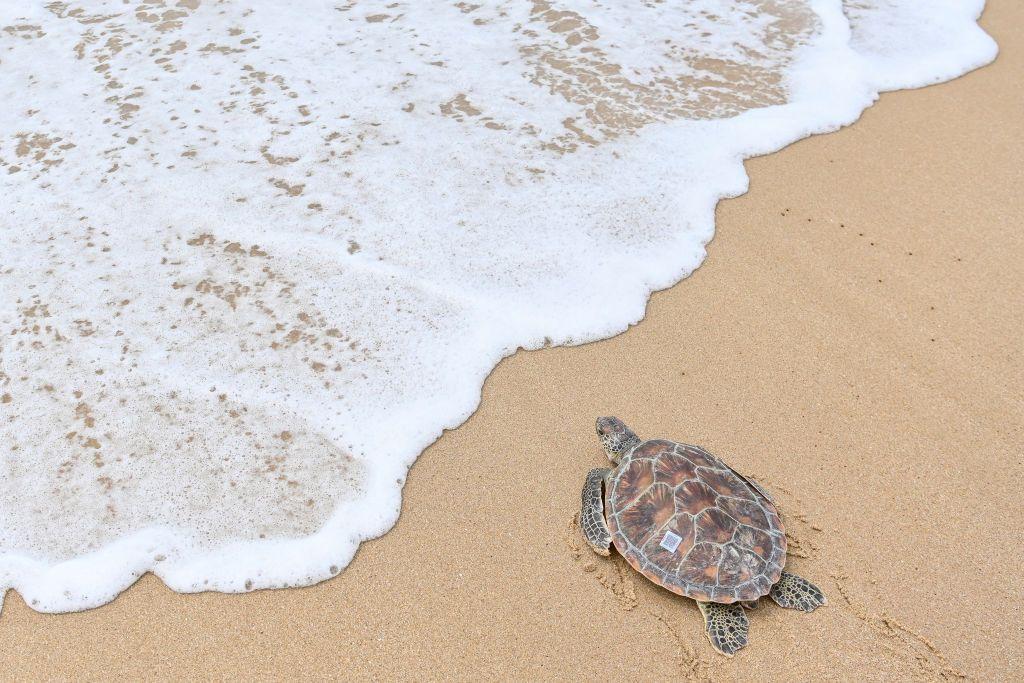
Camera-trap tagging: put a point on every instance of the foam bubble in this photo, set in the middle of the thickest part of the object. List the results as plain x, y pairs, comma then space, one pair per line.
256, 259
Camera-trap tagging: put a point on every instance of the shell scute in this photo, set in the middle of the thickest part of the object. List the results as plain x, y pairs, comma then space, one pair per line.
753, 540
634, 480
694, 496
738, 565
763, 584
725, 483
697, 455
774, 522
674, 469
652, 449
723, 594
701, 564
745, 512
714, 526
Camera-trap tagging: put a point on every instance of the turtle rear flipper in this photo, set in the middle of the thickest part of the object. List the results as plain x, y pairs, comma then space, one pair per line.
794, 592
592, 521
726, 626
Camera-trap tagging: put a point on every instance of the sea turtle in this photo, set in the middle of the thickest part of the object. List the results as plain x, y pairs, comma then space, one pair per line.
692, 524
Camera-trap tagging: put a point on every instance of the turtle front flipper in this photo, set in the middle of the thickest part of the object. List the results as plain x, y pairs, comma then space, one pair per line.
794, 592
595, 530
726, 626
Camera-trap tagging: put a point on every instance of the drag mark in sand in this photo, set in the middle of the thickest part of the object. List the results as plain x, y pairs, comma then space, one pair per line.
930, 662
613, 573
692, 666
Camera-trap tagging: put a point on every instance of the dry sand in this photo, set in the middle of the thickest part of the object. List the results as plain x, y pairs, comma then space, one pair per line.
853, 340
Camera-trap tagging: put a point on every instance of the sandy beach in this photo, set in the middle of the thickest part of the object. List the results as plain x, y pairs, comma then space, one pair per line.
853, 341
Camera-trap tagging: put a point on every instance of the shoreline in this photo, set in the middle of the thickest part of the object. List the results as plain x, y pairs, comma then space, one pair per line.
823, 345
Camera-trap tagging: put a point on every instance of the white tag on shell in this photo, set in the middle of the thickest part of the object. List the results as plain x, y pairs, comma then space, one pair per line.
671, 541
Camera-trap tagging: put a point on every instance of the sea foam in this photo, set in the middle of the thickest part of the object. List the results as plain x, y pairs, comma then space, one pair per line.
255, 257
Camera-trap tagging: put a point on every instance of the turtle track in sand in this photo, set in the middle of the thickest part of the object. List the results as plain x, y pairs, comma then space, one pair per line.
614, 575
901, 640
931, 664
694, 667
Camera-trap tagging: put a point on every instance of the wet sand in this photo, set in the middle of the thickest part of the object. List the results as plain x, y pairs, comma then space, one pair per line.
853, 341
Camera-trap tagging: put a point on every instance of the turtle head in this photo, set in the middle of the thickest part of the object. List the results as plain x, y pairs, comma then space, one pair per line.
616, 437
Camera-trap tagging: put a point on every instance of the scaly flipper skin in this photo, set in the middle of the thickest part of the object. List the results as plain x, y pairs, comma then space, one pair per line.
725, 625
592, 513
794, 592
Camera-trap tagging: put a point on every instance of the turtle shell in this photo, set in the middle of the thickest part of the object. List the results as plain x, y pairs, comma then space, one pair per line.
685, 520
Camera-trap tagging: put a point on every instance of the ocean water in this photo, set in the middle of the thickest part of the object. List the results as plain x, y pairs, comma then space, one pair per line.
256, 256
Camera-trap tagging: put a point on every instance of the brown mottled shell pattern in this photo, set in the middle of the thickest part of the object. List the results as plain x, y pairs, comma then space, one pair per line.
731, 543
